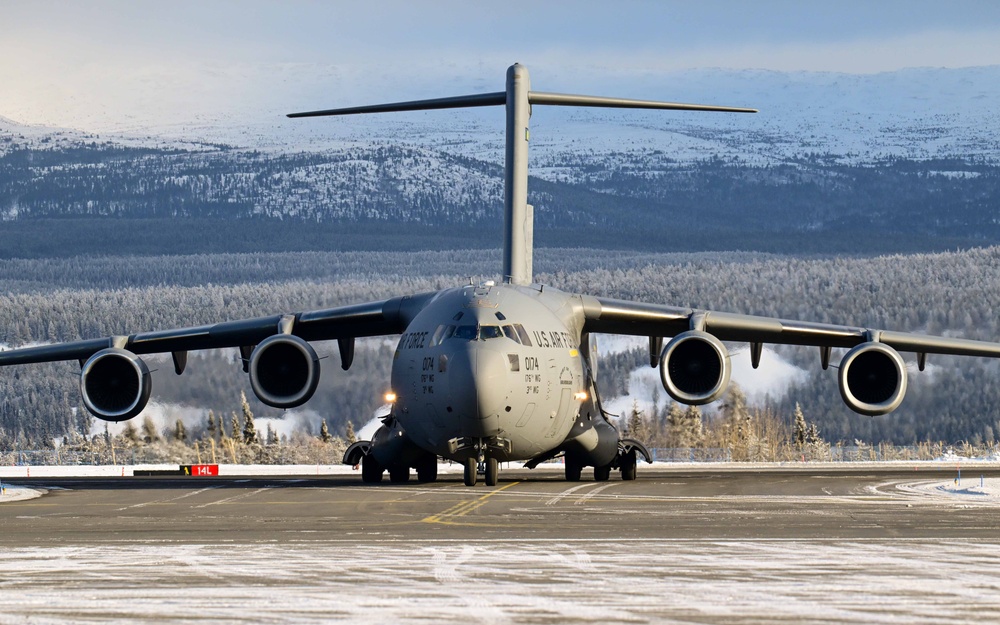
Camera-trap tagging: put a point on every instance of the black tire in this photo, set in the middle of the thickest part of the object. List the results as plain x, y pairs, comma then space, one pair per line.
602, 474
427, 470
399, 474
492, 472
371, 470
471, 468
574, 470
628, 466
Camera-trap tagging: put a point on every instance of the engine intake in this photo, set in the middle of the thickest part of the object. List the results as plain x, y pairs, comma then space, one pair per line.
284, 371
694, 368
115, 384
872, 379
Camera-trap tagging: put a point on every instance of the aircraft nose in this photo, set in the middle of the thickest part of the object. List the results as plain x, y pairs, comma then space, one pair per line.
478, 388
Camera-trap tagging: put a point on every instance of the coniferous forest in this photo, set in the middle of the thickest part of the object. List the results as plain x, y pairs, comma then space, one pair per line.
100, 238
951, 293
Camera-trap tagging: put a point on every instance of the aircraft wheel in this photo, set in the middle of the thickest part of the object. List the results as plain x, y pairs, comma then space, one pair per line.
427, 470
628, 466
602, 474
399, 474
471, 468
573, 469
492, 471
371, 470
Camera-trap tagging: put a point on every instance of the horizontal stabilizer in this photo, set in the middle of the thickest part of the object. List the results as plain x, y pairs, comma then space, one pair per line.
534, 97
566, 99
463, 101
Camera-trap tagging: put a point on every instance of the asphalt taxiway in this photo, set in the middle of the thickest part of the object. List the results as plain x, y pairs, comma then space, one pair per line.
847, 545
665, 504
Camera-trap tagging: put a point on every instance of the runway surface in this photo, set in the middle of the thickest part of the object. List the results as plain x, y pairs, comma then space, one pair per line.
715, 546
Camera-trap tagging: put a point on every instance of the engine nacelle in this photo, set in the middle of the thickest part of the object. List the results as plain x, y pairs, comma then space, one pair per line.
115, 384
694, 368
284, 371
872, 379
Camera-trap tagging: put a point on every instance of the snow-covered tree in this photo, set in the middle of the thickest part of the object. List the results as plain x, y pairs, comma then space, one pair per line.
180, 432
799, 435
249, 429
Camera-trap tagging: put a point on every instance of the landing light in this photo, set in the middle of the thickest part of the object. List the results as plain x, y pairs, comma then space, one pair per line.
580, 396
390, 397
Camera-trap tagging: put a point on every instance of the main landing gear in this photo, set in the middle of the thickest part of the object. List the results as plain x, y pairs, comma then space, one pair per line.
625, 461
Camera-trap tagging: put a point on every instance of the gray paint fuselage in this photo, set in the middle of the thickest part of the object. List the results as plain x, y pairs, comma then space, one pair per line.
491, 362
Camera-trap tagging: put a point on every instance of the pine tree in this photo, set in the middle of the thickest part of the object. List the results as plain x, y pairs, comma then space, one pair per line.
149, 433
130, 434
734, 408
234, 427
249, 430
636, 424
350, 435
675, 425
210, 426
800, 434
812, 437
180, 432
324, 432
272, 435
693, 426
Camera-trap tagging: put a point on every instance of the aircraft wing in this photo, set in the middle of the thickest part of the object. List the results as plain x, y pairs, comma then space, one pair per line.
345, 322
695, 365
624, 317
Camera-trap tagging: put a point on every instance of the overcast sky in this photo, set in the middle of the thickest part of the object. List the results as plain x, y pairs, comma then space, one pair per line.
866, 36
58, 49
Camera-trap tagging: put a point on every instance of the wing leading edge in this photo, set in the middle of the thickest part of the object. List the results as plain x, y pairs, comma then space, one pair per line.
695, 368
344, 322
633, 318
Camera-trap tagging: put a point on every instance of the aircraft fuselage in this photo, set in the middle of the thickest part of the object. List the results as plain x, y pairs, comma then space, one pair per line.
495, 366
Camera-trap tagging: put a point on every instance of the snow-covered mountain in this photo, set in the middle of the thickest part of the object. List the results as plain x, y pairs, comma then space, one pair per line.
899, 161
913, 113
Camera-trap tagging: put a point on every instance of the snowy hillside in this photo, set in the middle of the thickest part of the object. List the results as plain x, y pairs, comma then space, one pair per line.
915, 113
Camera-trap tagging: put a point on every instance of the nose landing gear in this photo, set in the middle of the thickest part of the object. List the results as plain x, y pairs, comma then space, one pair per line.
489, 467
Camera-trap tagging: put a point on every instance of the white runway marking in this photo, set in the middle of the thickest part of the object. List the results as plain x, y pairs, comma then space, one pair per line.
235, 497
594, 492
168, 500
568, 492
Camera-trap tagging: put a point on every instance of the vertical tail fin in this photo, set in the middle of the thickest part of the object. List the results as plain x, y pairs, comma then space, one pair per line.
518, 236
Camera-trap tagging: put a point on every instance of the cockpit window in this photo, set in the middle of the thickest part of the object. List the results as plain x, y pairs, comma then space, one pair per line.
521, 332
490, 332
511, 333
472, 333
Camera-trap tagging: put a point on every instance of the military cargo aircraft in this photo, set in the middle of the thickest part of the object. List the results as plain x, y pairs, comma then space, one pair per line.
492, 372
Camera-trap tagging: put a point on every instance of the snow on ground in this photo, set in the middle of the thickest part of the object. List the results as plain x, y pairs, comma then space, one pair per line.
18, 493
526, 581
967, 489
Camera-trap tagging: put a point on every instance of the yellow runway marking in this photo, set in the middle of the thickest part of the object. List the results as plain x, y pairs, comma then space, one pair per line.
460, 510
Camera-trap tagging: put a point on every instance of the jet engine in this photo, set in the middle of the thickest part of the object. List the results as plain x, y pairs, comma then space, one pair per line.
284, 371
115, 384
872, 379
694, 368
